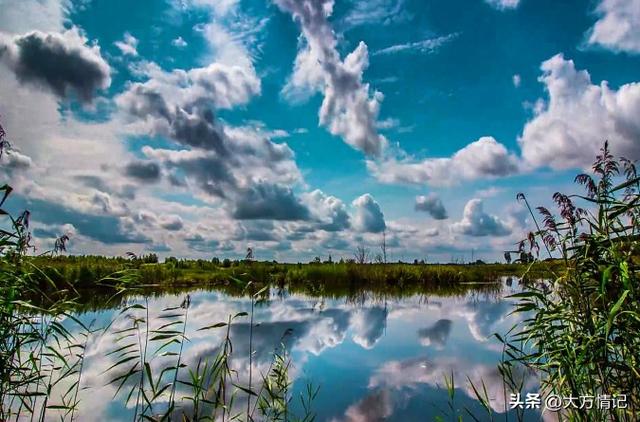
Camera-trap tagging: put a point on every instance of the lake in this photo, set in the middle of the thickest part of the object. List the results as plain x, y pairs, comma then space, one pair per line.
373, 357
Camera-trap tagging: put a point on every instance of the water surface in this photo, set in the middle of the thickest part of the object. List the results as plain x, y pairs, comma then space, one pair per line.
373, 357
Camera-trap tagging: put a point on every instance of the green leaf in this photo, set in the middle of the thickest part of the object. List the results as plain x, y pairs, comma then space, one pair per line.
217, 325
614, 311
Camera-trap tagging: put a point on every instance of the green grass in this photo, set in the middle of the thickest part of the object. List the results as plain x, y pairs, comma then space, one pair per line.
85, 271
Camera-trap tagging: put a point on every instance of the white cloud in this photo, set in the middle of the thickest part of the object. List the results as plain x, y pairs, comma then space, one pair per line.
129, 45
62, 62
368, 217
429, 45
568, 129
348, 110
219, 7
489, 192
179, 42
476, 222
368, 326
13, 159
482, 158
618, 27
408, 374
330, 211
244, 159
517, 80
388, 123
376, 406
28, 15
504, 4
432, 205
377, 12
230, 48
224, 86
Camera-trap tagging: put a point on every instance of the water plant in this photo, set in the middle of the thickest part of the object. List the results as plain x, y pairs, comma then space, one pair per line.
580, 331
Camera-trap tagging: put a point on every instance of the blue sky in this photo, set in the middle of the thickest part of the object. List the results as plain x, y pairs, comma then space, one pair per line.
306, 128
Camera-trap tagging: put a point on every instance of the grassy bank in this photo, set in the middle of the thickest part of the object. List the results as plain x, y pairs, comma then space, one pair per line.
87, 271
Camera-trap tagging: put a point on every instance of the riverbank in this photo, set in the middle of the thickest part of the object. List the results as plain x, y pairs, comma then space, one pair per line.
92, 271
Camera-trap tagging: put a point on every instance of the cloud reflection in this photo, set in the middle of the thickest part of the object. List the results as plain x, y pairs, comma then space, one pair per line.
411, 373
436, 335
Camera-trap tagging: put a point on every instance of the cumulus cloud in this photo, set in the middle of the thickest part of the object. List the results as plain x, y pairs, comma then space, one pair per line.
61, 62
247, 158
367, 216
96, 221
330, 211
241, 165
179, 104
476, 222
129, 45
485, 157
503, 4
569, 128
348, 109
267, 201
618, 26
433, 205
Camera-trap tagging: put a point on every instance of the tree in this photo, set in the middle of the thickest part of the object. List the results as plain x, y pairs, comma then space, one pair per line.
383, 246
361, 254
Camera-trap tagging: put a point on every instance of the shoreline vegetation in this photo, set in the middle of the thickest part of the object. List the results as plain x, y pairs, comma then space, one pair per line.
79, 272
96, 282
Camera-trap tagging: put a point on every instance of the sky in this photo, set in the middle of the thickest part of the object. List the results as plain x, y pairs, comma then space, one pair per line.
304, 128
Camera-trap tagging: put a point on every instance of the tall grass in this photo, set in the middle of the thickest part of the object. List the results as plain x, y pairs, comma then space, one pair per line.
211, 389
581, 332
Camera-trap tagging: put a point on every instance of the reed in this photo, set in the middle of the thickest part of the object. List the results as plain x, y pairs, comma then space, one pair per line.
580, 331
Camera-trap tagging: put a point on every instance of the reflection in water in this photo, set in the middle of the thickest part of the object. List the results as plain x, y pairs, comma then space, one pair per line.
437, 334
374, 359
368, 325
376, 406
409, 374
484, 316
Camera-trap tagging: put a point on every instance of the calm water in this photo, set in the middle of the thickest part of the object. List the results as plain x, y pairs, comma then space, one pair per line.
373, 358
